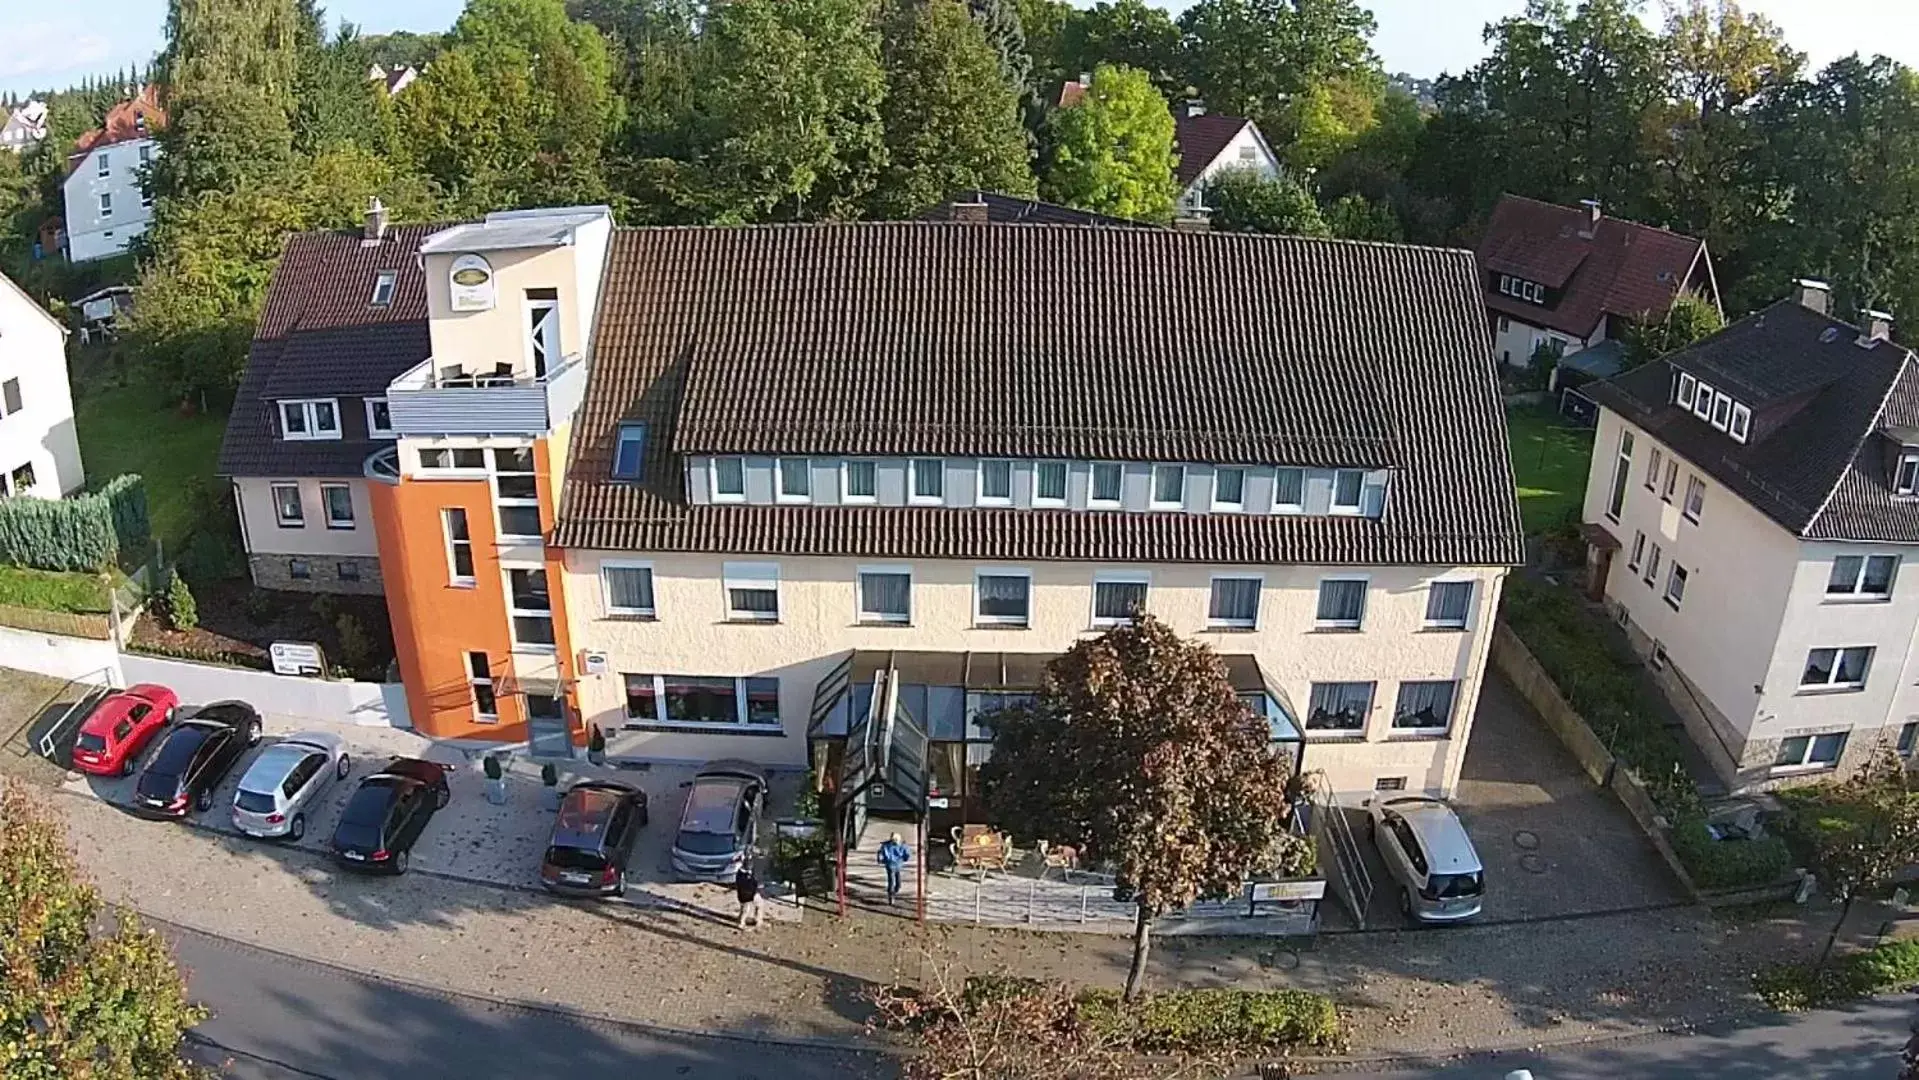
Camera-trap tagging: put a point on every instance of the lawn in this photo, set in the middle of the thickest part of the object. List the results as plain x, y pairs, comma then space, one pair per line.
49, 590
1550, 461
130, 428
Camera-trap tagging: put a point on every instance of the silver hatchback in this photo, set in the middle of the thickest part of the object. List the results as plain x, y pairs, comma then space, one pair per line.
1430, 857
279, 790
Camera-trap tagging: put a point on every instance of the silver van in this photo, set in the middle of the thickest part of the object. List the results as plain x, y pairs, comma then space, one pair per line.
1430, 857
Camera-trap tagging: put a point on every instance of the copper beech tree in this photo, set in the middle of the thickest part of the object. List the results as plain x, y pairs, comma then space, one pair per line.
1139, 752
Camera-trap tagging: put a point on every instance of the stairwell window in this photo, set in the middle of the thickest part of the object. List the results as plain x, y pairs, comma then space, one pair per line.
752, 591
531, 607
1049, 483
1836, 669
1862, 577
796, 479
929, 481
459, 547
629, 452
729, 479
1622, 473
1108, 477
486, 707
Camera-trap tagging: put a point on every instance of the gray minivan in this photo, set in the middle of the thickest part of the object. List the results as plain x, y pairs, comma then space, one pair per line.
1429, 855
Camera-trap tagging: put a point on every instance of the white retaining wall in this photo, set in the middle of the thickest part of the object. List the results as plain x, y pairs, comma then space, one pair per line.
59, 656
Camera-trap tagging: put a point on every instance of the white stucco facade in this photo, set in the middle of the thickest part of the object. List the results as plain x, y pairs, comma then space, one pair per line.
1247, 150
107, 205
39, 448
1516, 340
691, 634
1756, 605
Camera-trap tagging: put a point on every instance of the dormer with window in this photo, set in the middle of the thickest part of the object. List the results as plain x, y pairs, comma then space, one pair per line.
1902, 460
1532, 292
309, 419
1712, 405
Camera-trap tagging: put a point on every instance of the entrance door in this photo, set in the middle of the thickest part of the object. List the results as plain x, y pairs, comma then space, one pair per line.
546, 726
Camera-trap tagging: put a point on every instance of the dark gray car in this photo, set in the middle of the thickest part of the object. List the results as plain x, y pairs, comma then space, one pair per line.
721, 821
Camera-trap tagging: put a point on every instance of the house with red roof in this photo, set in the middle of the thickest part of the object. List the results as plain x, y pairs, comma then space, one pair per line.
107, 200
1565, 278
1207, 144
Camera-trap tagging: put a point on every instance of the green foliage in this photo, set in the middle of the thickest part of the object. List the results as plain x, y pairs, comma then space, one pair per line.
1864, 831
1216, 1021
1128, 33
258, 606
200, 655
951, 116
81, 593
1691, 319
181, 611
231, 71
1725, 864
80, 994
1878, 970
356, 648
84, 532
1113, 152
1352, 216
1244, 201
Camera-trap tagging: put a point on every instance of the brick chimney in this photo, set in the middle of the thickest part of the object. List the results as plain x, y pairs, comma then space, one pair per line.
972, 213
1195, 107
1591, 225
1812, 295
1874, 327
375, 229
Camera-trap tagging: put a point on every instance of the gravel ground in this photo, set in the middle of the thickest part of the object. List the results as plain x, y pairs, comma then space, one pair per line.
1407, 993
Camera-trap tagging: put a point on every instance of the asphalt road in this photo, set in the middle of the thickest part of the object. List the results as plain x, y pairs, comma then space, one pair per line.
275, 1018
1857, 1043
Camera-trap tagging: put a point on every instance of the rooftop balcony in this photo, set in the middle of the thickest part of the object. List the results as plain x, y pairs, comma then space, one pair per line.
434, 398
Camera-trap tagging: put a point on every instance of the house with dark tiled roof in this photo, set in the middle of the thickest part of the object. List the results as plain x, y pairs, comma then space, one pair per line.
1560, 279
1752, 502
345, 313
1208, 144
105, 191
980, 206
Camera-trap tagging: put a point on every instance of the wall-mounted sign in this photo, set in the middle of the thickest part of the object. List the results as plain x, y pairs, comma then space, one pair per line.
1270, 892
470, 283
297, 658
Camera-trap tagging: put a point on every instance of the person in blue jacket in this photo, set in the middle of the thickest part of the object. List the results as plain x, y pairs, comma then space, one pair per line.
893, 855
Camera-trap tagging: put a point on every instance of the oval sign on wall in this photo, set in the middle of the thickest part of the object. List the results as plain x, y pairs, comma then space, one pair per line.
470, 284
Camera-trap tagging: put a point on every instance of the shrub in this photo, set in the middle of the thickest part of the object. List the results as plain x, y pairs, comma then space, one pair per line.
258, 606
1216, 1021
355, 647
1726, 864
1877, 970
182, 612
208, 558
86, 532
198, 655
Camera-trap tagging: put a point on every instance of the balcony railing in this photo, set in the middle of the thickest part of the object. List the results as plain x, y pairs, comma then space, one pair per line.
437, 398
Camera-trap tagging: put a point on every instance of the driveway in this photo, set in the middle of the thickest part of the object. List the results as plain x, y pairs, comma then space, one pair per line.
1553, 844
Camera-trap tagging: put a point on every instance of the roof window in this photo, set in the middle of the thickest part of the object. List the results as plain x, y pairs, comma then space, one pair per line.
383, 289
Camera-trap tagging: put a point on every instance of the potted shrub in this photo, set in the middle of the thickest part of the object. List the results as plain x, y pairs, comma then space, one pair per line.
596, 745
495, 779
550, 786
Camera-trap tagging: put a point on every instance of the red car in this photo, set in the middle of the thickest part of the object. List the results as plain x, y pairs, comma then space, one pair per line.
120, 727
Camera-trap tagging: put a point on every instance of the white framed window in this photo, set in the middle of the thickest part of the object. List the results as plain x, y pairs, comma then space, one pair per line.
1349, 488
530, 606
1672, 479
288, 509
459, 546
379, 419
859, 481
1862, 577
1424, 708
1837, 669
1638, 550
752, 591
1169, 487
1234, 602
516, 494
383, 289
1688, 386
146, 153
1721, 411
1695, 497
1342, 603
1652, 468
1908, 739
1622, 474
1676, 585
1449, 604
486, 706
705, 702
995, 482
1289, 491
1229, 489
338, 500
1702, 402
1339, 708
1119, 597
629, 452
1741, 425
626, 588
929, 481
1652, 564
104, 164
1049, 483
729, 479
146, 196
453, 459
1002, 597
886, 595
1811, 751
313, 418
106, 204
1107, 485
796, 479
1906, 478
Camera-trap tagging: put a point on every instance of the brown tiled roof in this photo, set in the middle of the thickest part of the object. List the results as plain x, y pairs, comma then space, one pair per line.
122, 124
319, 335
1625, 269
1200, 139
920, 337
1071, 93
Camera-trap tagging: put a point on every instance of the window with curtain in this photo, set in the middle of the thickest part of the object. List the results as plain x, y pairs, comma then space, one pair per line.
1169, 485
1235, 602
629, 589
1229, 487
1339, 706
1425, 707
862, 480
1049, 482
929, 479
1342, 603
796, 478
1003, 599
996, 482
1448, 603
886, 596
729, 478
1118, 600
1289, 489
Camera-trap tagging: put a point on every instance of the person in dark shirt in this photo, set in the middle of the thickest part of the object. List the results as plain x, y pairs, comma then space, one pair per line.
747, 888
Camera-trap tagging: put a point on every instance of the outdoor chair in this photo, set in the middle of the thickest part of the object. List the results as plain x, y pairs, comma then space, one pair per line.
1063, 857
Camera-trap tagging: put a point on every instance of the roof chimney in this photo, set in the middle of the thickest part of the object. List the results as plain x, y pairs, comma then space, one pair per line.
1086, 78
1195, 107
972, 213
1813, 295
375, 229
1874, 327
1592, 218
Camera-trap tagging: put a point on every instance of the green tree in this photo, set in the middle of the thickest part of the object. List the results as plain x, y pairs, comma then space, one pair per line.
337, 104
790, 101
232, 67
1299, 68
78, 999
1125, 33
1242, 200
1113, 152
1864, 833
999, 21
1352, 216
951, 116
1138, 751
1042, 25
1691, 318
182, 612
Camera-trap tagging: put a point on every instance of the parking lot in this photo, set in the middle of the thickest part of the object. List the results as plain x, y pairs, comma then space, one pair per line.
1552, 843
476, 840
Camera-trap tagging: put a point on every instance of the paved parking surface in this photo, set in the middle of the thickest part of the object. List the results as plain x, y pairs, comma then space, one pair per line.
1552, 843
476, 840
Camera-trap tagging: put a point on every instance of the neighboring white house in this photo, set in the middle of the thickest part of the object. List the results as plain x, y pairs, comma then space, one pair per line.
1760, 493
1209, 145
107, 200
25, 127
39, 451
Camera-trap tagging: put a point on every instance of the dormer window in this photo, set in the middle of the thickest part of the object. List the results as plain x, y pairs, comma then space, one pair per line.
1741, 423
1905, 479
1702, 402
383, 289
1688, 386
1721, 411
315, 419
1520, 289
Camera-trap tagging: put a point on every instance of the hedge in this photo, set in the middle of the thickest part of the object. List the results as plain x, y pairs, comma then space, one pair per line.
1576, 650
86, 532
221, 657
1882, 968
1189, 1021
